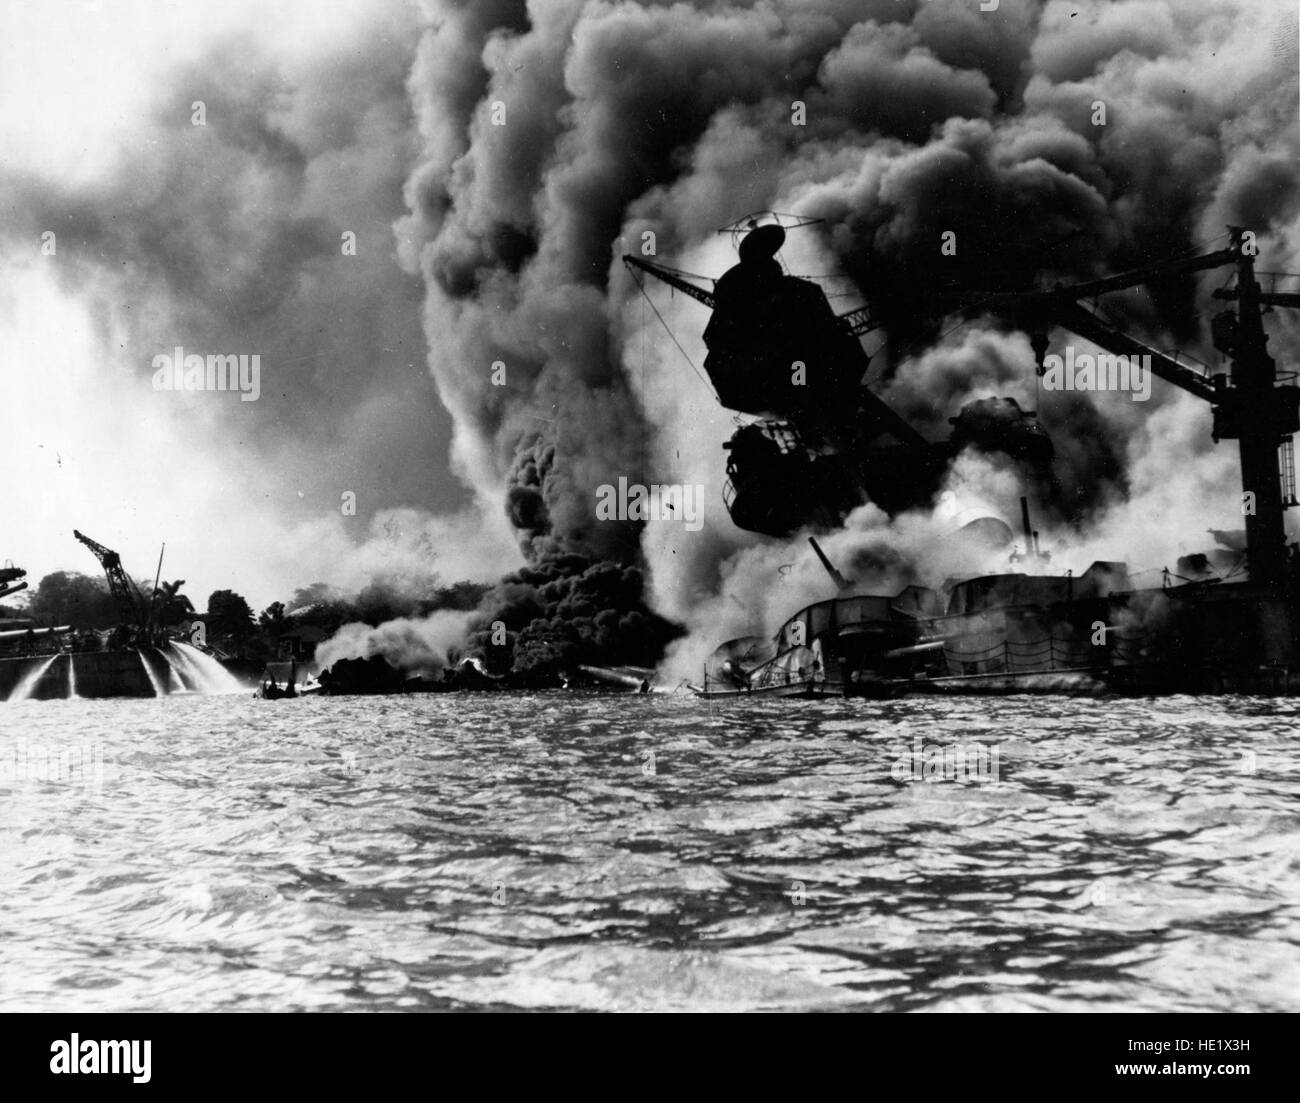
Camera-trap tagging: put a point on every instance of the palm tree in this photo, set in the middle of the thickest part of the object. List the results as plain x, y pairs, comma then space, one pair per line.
171, 607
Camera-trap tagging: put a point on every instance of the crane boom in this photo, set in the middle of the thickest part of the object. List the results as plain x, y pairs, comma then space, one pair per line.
1248, 404
1061, 307
1266, 298
1152, 273
673, 279
130, 602
860, 321
1078, 319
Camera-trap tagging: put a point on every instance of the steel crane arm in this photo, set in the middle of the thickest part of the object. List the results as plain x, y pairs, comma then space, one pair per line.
1150, 274
860, 321
103, 554
1028, 304
1061, 307
124, 590
1072, 316
1266, 298
672, 279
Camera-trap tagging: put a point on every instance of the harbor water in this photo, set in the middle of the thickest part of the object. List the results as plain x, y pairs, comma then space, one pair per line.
587, 851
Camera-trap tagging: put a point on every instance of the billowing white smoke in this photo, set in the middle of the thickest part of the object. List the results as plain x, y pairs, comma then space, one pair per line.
226, 237
424, 645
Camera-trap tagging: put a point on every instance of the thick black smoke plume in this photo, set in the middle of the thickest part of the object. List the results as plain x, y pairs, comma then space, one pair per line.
556, 134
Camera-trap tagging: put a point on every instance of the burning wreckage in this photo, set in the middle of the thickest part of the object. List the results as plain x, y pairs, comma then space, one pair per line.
820, 448
819, 443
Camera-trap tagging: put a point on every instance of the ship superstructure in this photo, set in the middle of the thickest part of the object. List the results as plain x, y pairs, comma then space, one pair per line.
820, 441
814, 454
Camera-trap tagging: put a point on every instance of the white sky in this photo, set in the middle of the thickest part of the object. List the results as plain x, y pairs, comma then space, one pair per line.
75, 75
77, 447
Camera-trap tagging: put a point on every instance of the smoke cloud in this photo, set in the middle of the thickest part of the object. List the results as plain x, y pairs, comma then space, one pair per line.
920, 118
423, 646
510, 152
225, 235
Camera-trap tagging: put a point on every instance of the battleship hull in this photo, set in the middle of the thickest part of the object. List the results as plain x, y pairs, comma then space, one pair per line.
1015, 633
144, 671
85, 674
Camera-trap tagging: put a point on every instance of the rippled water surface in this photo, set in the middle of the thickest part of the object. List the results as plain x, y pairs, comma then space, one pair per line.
607, 852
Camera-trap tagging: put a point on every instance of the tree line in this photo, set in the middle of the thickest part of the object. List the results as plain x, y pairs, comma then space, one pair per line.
85, 602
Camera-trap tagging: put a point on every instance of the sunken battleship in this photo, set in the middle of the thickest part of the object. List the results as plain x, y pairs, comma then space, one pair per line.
138, 657
814, 452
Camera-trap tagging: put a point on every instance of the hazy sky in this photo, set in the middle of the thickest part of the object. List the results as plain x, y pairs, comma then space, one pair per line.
328, 118
221, 238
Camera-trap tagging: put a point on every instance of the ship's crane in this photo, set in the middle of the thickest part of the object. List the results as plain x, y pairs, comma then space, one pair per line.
1037, 311
1250, 404
130, 602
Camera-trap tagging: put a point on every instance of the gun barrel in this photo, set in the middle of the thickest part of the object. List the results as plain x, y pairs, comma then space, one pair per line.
840, 581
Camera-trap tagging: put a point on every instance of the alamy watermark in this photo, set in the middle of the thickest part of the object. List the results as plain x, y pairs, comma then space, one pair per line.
80, 764
174, 371
1103, 372
953, 762
653, 503
118, 1057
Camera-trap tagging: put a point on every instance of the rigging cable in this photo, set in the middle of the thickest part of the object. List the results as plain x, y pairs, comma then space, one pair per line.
644, 358
685, 354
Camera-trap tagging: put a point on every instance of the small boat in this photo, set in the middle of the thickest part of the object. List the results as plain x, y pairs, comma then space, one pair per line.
280, 680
